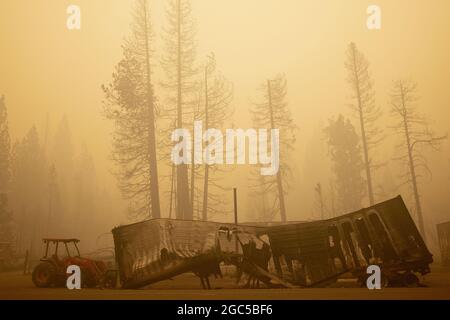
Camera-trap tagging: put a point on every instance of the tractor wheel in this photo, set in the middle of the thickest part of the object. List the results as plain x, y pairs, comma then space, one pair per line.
44, 275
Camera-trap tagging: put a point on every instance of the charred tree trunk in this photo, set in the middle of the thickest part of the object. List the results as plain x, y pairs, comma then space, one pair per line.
412, 169
172, 190
279, 178
363, 129
154, 185
206, 177
193, 170
184, 208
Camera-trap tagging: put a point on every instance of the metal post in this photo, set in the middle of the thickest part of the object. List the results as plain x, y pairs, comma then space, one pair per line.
235, 219
235, 206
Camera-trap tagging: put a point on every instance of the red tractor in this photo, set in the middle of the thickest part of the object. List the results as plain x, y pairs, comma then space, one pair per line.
51, 272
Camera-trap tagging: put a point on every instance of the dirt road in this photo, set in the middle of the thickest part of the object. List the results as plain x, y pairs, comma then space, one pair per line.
18, 286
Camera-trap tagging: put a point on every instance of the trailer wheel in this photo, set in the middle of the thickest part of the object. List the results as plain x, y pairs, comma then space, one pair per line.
44, 275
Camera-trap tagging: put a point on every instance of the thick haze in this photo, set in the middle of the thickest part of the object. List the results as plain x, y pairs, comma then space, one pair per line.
47, 69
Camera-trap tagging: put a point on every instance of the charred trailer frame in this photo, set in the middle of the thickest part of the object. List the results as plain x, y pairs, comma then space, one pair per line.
300, 252
159, 249
305, 254
317, 253
443, 231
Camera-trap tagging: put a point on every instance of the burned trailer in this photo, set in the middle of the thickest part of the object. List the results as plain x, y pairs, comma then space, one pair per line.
305, 254
316, 253
300, 252
443, 231
159, 249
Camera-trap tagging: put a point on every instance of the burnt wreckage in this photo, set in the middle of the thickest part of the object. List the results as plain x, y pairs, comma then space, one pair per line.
443, 230
304, 254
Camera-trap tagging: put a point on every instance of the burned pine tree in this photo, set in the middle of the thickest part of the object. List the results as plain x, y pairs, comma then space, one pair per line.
365, 109
218, 93
212, 111
195, 169
415, 133
132, 105
178, 63
347, 165
273, 113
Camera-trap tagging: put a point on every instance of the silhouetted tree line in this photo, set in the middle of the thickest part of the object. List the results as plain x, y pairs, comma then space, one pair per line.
46, 190
192, 91
352, 151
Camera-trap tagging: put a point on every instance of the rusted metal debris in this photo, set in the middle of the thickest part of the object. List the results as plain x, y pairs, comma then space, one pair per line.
444, 242
290, 255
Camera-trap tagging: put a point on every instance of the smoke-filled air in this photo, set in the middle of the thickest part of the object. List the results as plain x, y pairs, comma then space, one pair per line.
160, 109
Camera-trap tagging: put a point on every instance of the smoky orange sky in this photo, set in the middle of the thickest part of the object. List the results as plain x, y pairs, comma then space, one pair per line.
47, 69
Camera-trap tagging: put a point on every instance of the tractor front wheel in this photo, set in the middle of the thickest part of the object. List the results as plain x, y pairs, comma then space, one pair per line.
44, 275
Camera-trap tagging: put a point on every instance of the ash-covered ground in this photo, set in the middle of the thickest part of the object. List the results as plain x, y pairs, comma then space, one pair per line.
15, 285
